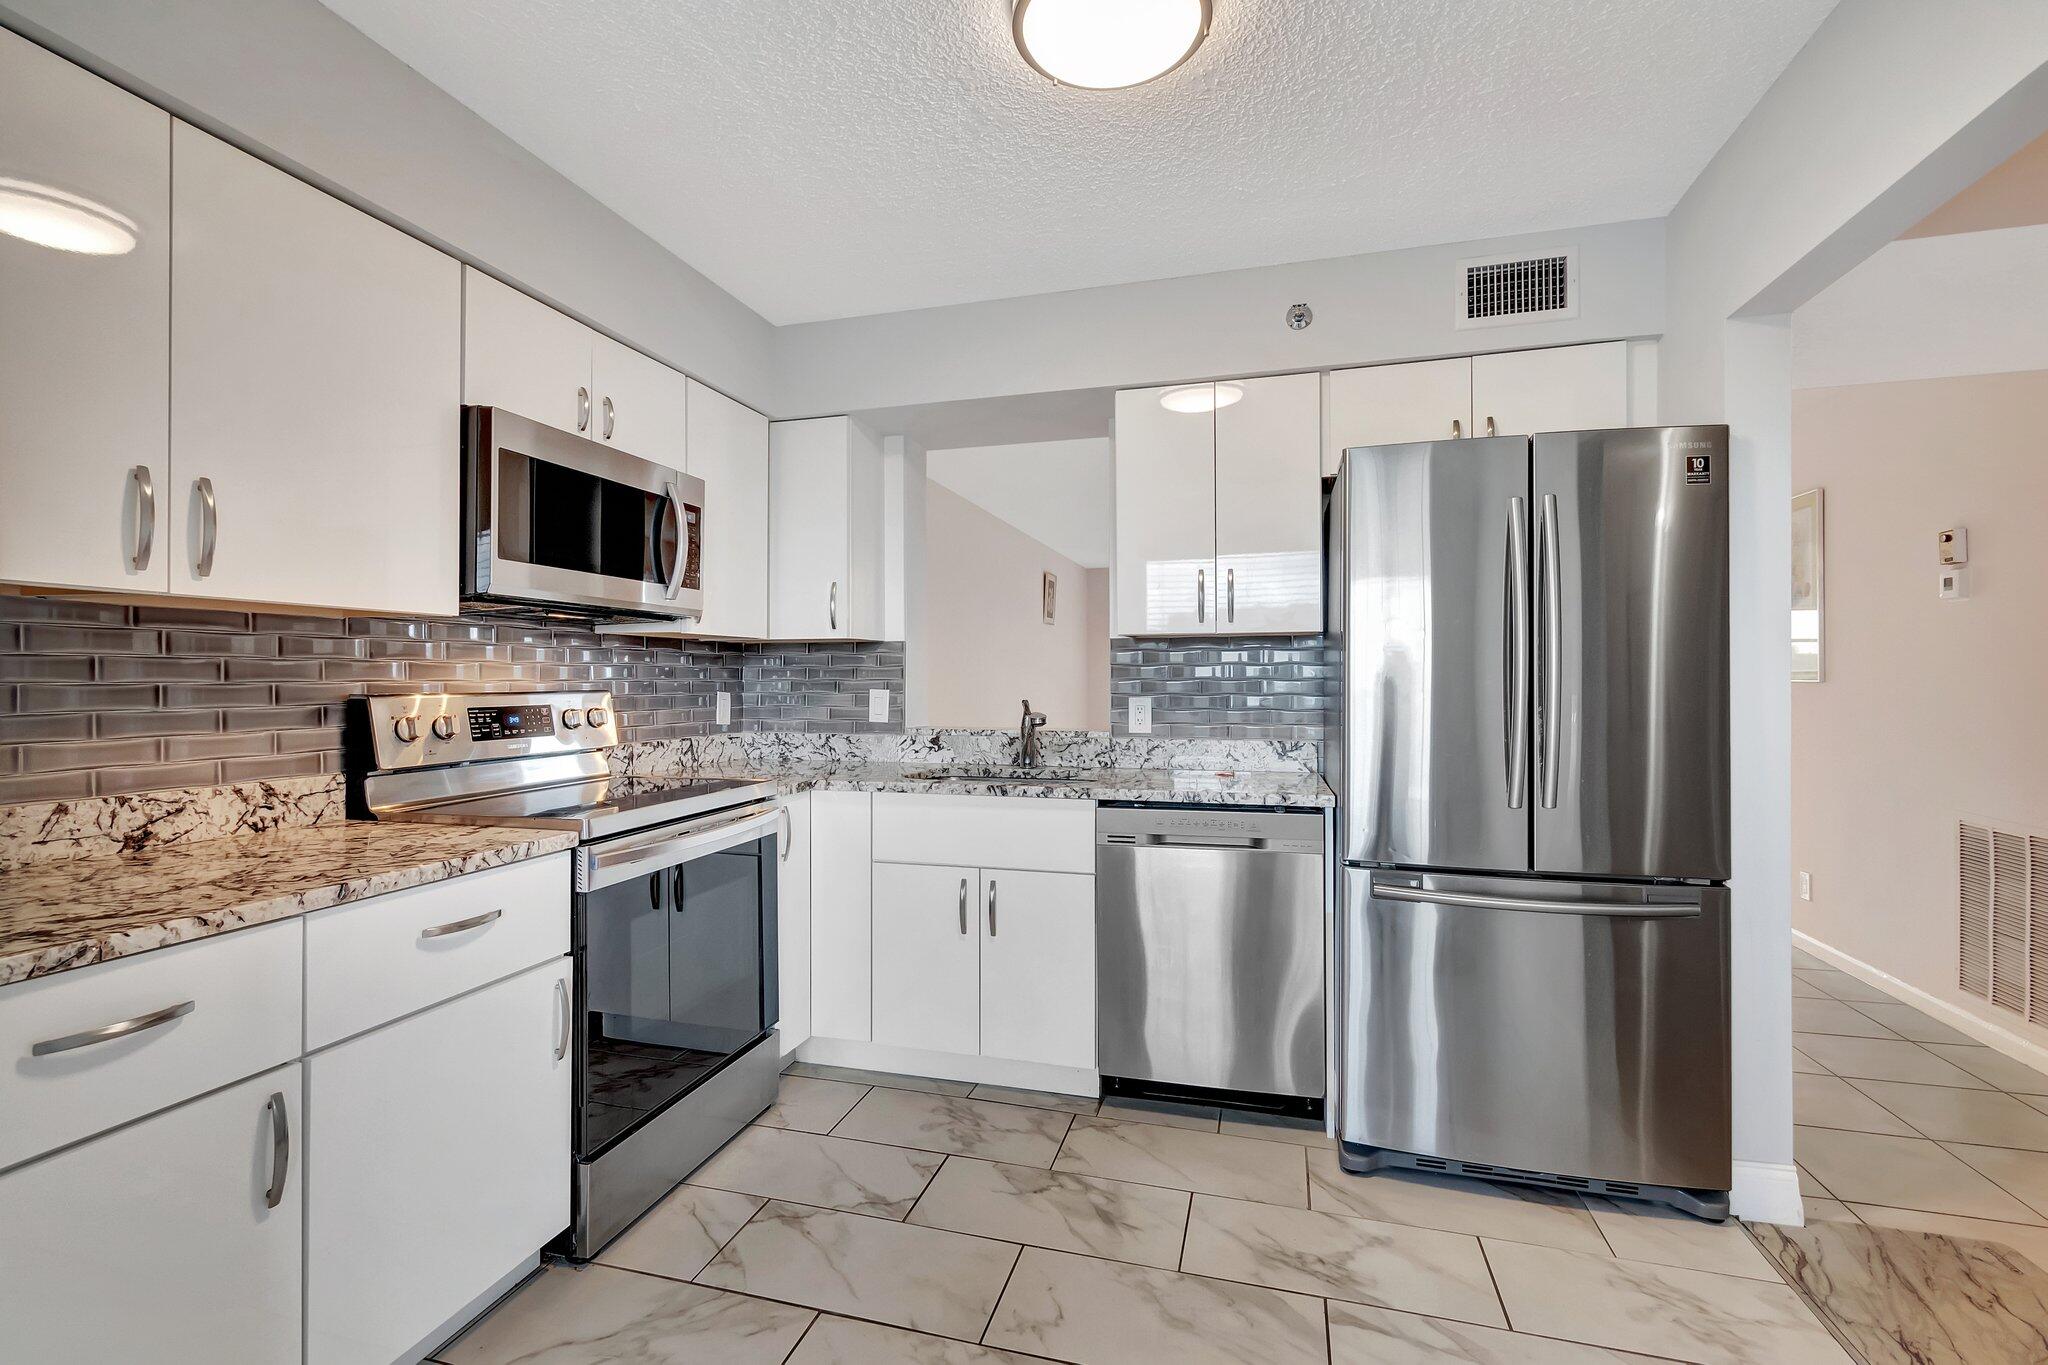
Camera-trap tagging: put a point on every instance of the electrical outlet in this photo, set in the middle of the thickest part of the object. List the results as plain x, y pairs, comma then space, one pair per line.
725, 708
878, 705
1141, 715
1806, 886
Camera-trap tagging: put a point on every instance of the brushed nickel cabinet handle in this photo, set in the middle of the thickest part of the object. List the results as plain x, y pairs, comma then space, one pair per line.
1457, 429
1230, 594
1490, 428
608, 417
832, 606
788, 832
280, 1150
1201, 594
991, 907
145, 517
459, 925
107, 1033
582, 408
963, 906
562, 1040
209, 527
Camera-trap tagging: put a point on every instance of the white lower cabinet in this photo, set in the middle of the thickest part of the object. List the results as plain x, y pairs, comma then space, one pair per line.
793, 923
927, 955
437, 1159
161, 1241
842, 930
1038, 967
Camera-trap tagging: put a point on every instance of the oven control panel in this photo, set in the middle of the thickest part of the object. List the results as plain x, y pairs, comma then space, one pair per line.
510, 722
425, 730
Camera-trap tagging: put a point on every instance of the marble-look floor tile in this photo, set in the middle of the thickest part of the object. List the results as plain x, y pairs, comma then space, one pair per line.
1992, 1066
1805, 990
594, 1315
1907, 1173
1662, 1236
1300, 1132
1885, 1059
1950, 1115
957, 1125
1207, 1163
1688, 1315
854, 1076
1803, 959
1831, 1102
1037, 1099
1198, 1116
1514, 1212
1835, 1211
2030, 1242
1106, 1313
810, 1168
810, 1104
1372, 1336
2024, 1174
847, 1341
922, 1278
1111, 1218
1810, 1186
1911, 1298
1388, 1265
1909, 1022
1804, 1065
1841, 985
679, 1236
1835, 1017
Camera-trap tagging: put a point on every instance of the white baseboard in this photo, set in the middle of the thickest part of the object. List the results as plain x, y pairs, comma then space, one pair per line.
951, 1066
1985, 1031
1767, 1193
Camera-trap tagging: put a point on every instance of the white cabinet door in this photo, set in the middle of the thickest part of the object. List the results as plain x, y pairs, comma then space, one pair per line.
865, 550
520, 354
85, 379
159, 1242
793, 922
842, 926
728, 449
1269, 508
1165, 580
1429, 400
642, 404
927, 955
824, 531
1038, 967
437, 1160
1566, 388
315, 375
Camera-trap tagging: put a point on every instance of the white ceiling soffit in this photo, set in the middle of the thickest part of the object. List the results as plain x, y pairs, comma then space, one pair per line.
1008, 419
1929, 308
824, 160
1060, 493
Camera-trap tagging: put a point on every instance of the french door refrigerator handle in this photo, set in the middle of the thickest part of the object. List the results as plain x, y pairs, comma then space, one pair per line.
1515, 704
1553, 655
1472, 900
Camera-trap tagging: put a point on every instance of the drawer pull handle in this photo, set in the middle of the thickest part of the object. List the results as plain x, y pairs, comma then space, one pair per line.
108, 1032
280, 1150
458, 926
562, 1040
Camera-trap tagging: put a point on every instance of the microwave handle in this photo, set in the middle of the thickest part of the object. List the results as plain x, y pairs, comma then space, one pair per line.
673, 570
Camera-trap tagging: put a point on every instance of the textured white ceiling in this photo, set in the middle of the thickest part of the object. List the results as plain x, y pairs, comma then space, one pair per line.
832, 158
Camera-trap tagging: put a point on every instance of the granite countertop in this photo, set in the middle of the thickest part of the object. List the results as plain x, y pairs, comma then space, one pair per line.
63, 914
1162, 785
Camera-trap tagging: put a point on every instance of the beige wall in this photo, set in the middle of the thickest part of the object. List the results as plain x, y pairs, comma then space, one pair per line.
986, 644
1931, 710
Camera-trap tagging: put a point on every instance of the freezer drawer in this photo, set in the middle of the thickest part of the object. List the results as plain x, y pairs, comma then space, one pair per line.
1209, 949
1567, 1028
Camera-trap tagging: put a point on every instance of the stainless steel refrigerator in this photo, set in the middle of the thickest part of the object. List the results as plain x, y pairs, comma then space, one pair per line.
1532, 951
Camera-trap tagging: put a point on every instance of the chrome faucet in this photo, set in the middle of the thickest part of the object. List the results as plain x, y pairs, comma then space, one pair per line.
1027, 736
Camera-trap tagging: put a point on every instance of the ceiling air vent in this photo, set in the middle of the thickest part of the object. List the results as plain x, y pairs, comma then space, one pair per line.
2003, 899
1496, 290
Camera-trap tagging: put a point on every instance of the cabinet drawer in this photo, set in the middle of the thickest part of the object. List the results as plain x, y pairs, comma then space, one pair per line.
1047, 834
376, 960
230, 1005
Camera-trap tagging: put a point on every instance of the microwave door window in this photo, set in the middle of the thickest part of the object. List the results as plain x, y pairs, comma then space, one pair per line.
569, 519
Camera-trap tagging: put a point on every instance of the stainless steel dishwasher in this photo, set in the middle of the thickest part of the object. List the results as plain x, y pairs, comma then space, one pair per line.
1209, 954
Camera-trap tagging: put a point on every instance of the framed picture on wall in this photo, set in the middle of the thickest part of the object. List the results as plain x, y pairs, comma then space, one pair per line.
1807, 600
1049, 592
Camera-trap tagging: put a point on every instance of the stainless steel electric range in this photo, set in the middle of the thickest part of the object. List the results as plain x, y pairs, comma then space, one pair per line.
672, 913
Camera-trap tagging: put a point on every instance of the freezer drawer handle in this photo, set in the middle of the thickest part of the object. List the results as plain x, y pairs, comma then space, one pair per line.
1472, 900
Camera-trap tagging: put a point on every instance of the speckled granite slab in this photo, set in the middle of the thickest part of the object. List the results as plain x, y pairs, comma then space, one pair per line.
93, 827
59, 914
776, 750
1303, 790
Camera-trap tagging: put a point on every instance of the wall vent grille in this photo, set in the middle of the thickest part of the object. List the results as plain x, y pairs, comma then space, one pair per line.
1496, 290
2002, 895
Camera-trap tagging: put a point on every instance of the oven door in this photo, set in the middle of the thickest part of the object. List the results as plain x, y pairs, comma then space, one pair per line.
555, 519
675, 965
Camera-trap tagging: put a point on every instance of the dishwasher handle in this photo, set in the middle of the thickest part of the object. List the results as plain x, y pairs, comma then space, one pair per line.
1218, 843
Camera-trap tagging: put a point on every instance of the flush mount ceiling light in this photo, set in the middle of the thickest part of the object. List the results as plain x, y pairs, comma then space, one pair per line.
67, 222
1108, 44
1201, 397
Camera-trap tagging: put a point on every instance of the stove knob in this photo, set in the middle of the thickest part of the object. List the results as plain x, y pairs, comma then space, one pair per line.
444, 727
406, 728
571, 718
598, 717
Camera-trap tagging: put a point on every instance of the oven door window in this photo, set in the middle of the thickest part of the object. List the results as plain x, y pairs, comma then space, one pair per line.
675, 982
555, 516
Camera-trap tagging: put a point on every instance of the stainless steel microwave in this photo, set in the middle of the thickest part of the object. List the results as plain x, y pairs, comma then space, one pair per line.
554, 522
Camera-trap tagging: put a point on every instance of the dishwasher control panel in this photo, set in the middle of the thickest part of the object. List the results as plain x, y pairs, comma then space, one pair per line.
1170, 826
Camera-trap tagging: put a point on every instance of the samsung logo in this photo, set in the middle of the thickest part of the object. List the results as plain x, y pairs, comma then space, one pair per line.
1694, 445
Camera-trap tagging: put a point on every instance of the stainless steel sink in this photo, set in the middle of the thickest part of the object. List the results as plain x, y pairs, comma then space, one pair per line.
1016, 776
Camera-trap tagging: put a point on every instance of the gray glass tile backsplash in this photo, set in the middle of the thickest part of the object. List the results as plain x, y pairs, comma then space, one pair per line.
100, 700
1206, 687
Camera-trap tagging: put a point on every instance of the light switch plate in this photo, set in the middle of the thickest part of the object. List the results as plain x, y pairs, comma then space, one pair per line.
1141, 715
1806, 886
1954, 584
878, 704
725, 708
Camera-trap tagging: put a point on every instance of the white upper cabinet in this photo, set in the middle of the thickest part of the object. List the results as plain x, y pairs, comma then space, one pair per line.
521, 355
1165, 516
728, 449
1568, 388
1429, 400
641, 404
84, 455
1269, 508
315, 373
825, 564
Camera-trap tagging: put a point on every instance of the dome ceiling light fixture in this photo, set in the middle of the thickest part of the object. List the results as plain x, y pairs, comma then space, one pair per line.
63, 221
1200, 397
1107, 44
